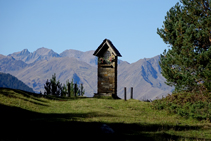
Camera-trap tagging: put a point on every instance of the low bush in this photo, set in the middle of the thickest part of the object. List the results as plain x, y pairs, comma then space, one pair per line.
189, 105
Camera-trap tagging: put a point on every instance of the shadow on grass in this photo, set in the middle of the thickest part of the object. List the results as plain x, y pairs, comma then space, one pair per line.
154, 132
23, 125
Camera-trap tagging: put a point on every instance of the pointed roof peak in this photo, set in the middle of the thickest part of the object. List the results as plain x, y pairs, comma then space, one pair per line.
104, 45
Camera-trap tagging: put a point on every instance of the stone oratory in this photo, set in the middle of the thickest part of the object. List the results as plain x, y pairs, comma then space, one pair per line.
107, 69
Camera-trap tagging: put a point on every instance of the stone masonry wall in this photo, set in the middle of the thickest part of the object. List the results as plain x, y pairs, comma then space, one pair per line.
107, 78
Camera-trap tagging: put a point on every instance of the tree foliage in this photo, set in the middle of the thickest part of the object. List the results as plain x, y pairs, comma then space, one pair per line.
187, 30
54, 87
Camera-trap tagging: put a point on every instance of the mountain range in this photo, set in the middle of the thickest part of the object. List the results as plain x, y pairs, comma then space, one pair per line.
36, 67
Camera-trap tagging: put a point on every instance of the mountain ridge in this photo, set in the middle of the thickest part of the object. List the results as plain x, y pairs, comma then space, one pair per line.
152, 82
9, 81
39, 54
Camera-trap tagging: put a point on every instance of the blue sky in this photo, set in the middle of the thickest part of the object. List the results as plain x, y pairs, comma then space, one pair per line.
83, 24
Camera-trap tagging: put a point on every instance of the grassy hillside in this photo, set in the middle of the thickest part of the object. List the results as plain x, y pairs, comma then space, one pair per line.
25, 116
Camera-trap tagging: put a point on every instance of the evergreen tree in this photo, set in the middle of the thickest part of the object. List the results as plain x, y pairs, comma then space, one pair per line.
64, 90
68, 87
187, 30
82, 91
54, 87
47, 87
72, 88
53, 84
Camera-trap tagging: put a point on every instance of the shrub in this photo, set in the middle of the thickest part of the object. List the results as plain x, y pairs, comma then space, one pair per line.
190, 105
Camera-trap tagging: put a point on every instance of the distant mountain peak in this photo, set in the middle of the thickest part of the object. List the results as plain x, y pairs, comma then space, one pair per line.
24, 52
40, 54
21, 54
46, 52
42, 51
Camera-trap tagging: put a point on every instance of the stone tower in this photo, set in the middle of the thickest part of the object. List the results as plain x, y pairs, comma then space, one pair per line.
107, 69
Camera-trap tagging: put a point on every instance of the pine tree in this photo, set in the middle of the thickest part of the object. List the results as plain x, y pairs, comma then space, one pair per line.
64, 90
68, 87
187, 30
47, 87
82, 91
54, 87
72, 88
53, 84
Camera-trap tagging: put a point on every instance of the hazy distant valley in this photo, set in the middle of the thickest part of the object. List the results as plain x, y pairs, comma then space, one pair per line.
36, 67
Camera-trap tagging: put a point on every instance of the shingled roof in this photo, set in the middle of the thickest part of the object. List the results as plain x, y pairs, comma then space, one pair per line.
104, 46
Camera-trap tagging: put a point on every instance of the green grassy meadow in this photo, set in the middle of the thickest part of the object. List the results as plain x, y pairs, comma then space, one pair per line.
26, 116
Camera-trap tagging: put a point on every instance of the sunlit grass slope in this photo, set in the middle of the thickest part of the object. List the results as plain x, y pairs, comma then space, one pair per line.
26, 116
